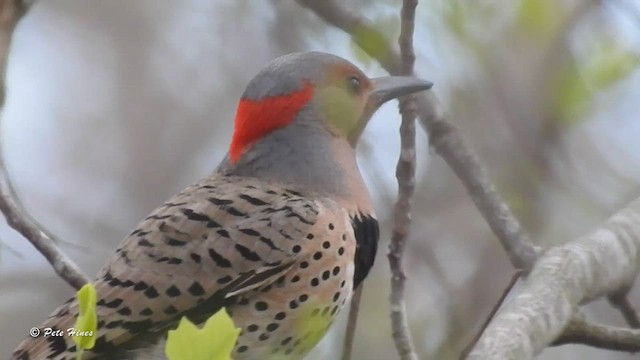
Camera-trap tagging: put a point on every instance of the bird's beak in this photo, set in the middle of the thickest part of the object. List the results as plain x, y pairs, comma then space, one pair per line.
391, 87
384, 89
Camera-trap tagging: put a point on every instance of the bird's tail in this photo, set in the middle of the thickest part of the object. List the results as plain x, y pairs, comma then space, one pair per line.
51, 340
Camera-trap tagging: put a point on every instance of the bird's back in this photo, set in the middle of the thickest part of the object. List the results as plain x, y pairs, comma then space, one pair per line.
281, 262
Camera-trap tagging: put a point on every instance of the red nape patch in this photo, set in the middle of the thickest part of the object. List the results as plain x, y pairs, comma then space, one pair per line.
257, 118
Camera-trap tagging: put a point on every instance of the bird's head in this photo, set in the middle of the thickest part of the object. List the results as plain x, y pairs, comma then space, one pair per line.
314, 88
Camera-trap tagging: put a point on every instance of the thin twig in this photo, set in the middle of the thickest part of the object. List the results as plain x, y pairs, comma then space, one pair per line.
405, 173
352, 322
11, 11
494, 310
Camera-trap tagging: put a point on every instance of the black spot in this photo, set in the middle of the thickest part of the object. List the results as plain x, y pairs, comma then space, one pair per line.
113, 304
223, 233
281, 315
247, 254
196, 289
173, 291
146, 312
220, 202
315, 282
325, 311
331, 227
342, 284
170, 310
295, 279
336, 270
145, 243
263, 337
261, 306
253, 201
252, 328
303, 297
317, 255
192, 215
293, 304
175, 261
157, 217
336, 296
293, 192
326, 244
125, 311
235, 212
151, 293
344, 237
269, 243
250, 232
334, 310
286, 341
141, 285
310, 236
296, 249
315, 312
242, 348
341, 251
219, 259
304, 265
195, 257
174, 242
272, 327
326, 274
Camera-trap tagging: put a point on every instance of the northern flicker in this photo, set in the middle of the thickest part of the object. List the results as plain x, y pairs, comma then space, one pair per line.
283, 227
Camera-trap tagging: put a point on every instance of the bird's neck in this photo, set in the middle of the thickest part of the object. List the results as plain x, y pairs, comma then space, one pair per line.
306, 156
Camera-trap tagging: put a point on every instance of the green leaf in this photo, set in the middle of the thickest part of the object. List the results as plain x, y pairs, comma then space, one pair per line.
86, 323
214, 341
371, 42
607, 64
610, 65
540, 18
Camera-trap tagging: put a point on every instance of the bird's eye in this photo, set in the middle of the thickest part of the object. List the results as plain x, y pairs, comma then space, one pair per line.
354, 84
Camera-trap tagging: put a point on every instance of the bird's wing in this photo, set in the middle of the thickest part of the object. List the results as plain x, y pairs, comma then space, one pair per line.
218, 238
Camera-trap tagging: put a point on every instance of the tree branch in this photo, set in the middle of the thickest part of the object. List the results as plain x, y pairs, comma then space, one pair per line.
405, 173
580, 331
11, 11
563, 278
352, 322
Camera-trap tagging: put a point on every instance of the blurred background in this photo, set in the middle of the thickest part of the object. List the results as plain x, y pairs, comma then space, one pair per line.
113, 106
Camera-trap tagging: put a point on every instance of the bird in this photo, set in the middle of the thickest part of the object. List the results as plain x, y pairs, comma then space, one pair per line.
282, 231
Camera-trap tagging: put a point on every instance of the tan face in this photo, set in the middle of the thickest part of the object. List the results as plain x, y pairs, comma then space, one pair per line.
342, 99
347, 98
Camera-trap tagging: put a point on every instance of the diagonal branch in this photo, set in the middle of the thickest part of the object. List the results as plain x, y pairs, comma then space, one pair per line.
11, 11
